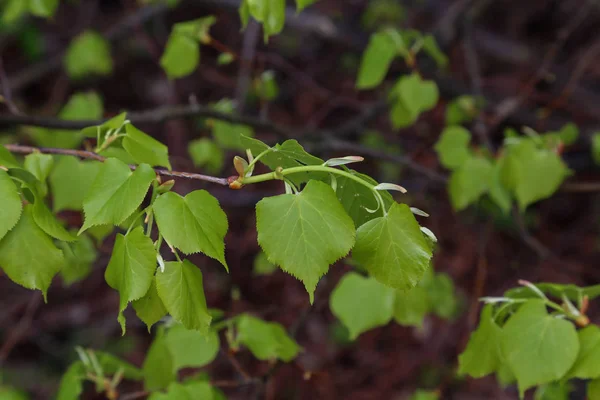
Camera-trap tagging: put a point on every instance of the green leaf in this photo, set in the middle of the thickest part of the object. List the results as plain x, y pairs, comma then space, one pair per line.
462, 109
190, 348
271, 13
150, 308
497, 191
7, 160
376, 60
116, 193
205, 153
39, 165
181, 290
481, 356
14, 10
9, 393
244, 12
567, 135
357, 199
266, 340
111, 365
78, 259
71, 383
410, 97
469, 182
424, 395
70, 181
362, 303
42, 8
158, 365
553, 391
266, 86
262, 265
194, 223
145, 149
11, 209
289, 154
411, 306
304, 233
586, 365
131, 268
539, 348
187, 391
226, 134
48, 222
453, 146
81, 106
31, 269
181, 56
88, 54
596, 149
432, 49
393, 248
593, 390
441, 295
532, 173
302, 4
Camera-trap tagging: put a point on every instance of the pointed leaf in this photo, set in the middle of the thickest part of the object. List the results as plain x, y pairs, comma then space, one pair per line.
304, 233
116, 193
453, 146
266, 340
482, 354
31, 269
190, 348
79, 258
194, 223
539, 348
48, 222
271, 13
150, 308
11, 208
410, 97
39, 165
469, 182
431, 47
376, 59
393, 249
586, 365
131, 268
181, 290
145, 149
70, 181
71, 383
7, 160
181, 56
362, 303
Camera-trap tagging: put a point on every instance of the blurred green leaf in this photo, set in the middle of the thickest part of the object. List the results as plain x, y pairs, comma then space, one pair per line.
376, 60
469, 182
88, 54
453, 146
411, 96
266, 340
205, 153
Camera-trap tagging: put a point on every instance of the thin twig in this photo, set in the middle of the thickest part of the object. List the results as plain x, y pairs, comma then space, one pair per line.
15, 148
17, 333
6, 92
542, 251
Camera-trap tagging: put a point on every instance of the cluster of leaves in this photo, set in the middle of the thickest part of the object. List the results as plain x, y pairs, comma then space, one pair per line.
271, 13
362, 303
526, 168
519, 340
173, 349
411, 95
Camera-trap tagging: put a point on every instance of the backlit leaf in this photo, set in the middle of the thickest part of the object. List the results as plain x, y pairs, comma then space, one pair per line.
587, 364
376, 59
158, 365
469, 182
482, 355
88, 54
181, 56
411, 306
150, 308
410, 97
11, 208
145, 149
190, 348
70, 181
453, 146
266, 340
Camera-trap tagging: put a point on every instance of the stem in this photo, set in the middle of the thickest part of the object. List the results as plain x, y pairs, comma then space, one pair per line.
248, 168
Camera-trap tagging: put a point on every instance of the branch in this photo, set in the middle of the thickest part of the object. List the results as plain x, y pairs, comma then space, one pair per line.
90, 155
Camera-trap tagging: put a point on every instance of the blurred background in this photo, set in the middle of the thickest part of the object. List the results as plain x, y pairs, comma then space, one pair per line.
527, 63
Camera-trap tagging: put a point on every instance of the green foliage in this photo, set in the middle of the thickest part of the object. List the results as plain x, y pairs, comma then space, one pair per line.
470, 181
382, 49
226, 134
70, 181
453, 147
194, 223
262, 266
304, 233
190, 348
462, 109
205, 153
596, 148
266, 86
10, 212
410, 97
270, 13
88, 54
182, 52
145, 149
266, 340
15, 9
482, 355
79, 258
150, 308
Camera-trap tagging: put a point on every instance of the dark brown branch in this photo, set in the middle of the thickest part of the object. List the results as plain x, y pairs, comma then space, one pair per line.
15, 148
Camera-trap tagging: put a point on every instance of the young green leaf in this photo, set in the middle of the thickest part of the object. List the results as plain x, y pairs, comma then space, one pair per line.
586, 365
226, 134
532, 173
131, 268
158, 365
7, 160
424, 395
188, 391
334, 162
481, 357
553, 391
70, 181
469, 182
205, 153
48, 222
145, 149
271, 13
393, 249
42, 8
88, 54
593, 390
31, 269
150, 308
39, 165
410, 97
596, 149
432, 49
190, 348
181, 56
79, 258
181, 290
194, 223
262, 265
462, 109
362, 303
302, 4
497, 191
442, 297
116, 193
411, 306
11, 209
266, 340
304, 233
71, 383
376, 60
453, 146
13, 10
529, 344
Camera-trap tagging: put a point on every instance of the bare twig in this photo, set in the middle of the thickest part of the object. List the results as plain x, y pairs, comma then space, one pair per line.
251, 36
6, 92
15, 148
